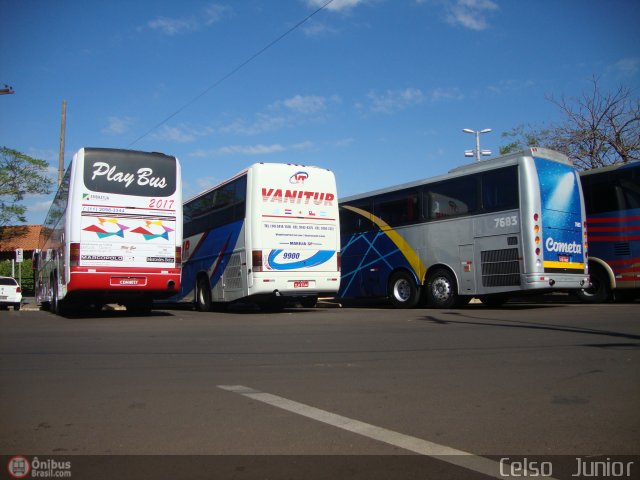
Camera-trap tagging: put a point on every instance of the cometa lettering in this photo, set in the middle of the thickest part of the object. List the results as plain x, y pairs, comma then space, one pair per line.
562, 247
142, 177
297, 196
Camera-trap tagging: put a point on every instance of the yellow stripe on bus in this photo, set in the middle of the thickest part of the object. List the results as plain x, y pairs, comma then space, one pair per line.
571, 265
409, 253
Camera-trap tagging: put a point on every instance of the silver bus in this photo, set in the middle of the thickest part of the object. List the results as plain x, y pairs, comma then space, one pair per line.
491, 229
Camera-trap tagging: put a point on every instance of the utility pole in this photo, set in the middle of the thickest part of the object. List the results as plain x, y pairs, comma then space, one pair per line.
62, 132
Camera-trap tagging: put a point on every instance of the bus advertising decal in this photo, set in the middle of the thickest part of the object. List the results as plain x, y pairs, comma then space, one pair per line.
560, 196
285, 260
109, 227
299, 177
297, 196
102, 233
150, 235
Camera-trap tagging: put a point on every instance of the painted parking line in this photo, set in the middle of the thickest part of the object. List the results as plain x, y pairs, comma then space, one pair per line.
407, 442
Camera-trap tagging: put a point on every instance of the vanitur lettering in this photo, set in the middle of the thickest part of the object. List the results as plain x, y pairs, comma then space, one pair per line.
142, 177
297, 196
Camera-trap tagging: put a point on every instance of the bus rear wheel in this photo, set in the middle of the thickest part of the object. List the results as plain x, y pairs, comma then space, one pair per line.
403, 290
203, 295
600, 291
442, 290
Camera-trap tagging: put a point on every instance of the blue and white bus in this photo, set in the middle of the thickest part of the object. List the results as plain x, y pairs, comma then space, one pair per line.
490, 230
267, 236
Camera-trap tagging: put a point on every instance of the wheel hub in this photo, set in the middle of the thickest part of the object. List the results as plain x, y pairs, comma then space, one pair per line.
402, 290
441, 289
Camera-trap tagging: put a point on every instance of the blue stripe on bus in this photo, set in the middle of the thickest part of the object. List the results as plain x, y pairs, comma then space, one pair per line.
320, 257
368, 258
221, 242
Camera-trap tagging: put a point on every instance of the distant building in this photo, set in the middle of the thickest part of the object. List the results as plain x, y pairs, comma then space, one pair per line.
22, 236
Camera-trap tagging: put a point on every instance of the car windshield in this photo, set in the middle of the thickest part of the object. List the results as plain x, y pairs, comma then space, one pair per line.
7, 281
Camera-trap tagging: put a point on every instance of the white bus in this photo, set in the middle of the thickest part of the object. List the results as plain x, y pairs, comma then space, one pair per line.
266, 236
491, 229
113, 233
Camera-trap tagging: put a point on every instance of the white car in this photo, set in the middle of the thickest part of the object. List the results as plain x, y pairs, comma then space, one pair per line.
10, 293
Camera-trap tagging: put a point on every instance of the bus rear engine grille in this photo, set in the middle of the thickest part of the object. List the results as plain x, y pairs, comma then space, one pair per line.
500, 268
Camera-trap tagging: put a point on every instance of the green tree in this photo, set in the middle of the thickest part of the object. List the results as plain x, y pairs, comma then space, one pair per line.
598, 128
20, 175
524, 136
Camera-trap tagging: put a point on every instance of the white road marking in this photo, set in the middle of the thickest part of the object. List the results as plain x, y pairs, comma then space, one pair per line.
413, 444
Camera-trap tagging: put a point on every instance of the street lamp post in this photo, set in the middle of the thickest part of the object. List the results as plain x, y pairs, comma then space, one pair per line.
7, 90
477, 152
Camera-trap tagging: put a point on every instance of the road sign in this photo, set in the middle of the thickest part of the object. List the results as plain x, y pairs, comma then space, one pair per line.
19, 255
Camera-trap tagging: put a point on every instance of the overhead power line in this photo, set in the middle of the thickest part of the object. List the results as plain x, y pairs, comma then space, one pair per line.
231, 73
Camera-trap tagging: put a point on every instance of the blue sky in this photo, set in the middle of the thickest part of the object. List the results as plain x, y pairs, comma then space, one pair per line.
376, 90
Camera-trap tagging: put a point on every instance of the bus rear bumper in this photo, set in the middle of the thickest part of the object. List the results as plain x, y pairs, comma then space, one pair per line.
115, 284
302, 287
556, 281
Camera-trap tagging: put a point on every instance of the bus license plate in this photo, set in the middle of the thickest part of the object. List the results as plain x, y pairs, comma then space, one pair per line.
301, 284
563, 258
129, 281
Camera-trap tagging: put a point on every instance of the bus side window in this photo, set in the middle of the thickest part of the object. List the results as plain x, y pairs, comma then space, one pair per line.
452, 198
352, 222
601, 194
397, 208
631, 193
629, 189
500, 189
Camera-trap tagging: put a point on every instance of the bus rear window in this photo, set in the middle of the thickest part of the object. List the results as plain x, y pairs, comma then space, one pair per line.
127, 172
500, 189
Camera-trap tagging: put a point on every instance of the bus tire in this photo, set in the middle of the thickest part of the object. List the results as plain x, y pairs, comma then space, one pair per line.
403, 291
203, 294
600, 290
442, 290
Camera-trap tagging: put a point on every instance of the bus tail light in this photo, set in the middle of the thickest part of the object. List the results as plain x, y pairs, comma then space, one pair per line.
339, 258
178, 257
256, 260
74, 254
536, 231
586, 243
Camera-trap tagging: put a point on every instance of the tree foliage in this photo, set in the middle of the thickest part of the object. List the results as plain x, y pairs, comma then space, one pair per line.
598, 128
20, 175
